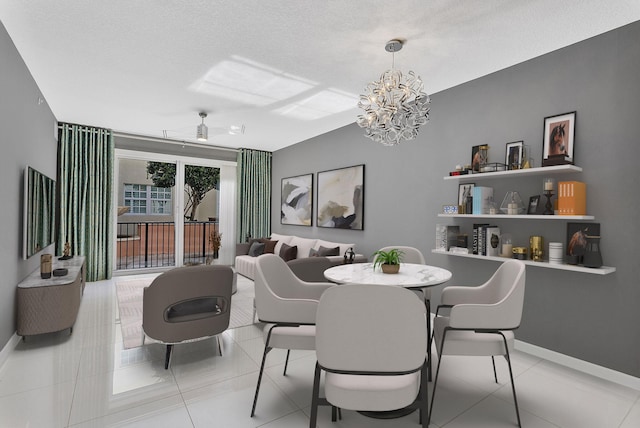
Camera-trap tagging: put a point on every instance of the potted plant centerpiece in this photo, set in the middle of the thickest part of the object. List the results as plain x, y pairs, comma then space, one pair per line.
389, 261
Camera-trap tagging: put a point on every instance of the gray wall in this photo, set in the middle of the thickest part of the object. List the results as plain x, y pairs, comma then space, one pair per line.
591, 317
27, 137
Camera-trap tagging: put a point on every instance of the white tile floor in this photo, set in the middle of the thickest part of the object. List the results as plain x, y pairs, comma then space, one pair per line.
88, 380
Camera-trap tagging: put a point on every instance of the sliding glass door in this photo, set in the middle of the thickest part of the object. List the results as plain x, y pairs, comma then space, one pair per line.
173, 211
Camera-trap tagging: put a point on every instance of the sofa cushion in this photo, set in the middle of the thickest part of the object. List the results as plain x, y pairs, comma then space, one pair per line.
328, 244
288, 252
304, 245
282, 239
322, 252
256, 249
269, 245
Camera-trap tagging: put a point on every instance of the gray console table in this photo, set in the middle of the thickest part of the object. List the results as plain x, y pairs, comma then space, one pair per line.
52, 304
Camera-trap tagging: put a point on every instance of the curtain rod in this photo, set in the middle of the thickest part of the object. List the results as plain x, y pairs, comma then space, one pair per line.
171, 141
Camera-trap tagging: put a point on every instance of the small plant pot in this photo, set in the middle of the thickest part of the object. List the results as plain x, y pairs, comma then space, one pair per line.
390, 268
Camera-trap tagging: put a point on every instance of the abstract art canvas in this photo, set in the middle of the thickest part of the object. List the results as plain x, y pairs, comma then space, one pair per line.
297, 200
341, 198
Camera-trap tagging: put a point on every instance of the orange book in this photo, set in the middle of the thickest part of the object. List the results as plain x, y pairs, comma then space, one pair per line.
572, 198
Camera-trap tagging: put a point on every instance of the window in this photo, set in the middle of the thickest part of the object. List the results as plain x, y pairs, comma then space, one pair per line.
145, 199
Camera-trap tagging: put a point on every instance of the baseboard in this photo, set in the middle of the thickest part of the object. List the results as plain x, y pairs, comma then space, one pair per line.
580, 365
10, 346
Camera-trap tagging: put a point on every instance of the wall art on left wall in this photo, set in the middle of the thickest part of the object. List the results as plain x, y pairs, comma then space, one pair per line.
297, 200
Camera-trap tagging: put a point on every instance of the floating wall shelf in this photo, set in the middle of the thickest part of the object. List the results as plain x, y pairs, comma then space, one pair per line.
547, 170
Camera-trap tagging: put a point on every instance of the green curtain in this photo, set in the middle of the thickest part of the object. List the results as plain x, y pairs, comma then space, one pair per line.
254, 194
85, 171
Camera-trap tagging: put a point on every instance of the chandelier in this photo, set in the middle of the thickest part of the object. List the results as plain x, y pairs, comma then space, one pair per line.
395, 106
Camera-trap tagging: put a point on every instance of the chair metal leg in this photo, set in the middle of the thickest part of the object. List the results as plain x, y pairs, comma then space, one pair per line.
424, 398
427, 303
167, 357
315, 398
334, 413
264, 357
286, 363
495, 374
513, 385
435, 381
219, 344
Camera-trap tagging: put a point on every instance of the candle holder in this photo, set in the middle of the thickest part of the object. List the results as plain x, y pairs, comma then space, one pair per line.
548, 208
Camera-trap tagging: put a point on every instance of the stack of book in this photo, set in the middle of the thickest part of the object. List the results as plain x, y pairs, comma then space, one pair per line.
446, 236
482, 197
486, 240
572, 198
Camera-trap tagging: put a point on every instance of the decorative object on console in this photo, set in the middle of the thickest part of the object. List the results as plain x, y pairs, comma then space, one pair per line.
297, 200
512, 204
389, 261
559, 139
577, 240
395, 106
60, 272
349, 256
555, 253
479, 156
45, 266
520, 253
592, 257
514, 155
202, 133
66, 252
341, 198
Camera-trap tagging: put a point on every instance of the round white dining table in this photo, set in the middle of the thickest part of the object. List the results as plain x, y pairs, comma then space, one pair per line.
411, 275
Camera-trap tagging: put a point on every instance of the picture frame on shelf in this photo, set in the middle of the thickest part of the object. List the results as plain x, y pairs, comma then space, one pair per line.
341, 198
514, 155
577, 240
297, 200
559, 139
478, 156
461, 191
534, 203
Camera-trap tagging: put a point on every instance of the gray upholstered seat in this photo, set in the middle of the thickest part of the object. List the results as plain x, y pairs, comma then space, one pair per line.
288, 307
187, 304
482, 319
360, 374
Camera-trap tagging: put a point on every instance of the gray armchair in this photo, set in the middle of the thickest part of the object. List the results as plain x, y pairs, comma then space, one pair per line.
187, 304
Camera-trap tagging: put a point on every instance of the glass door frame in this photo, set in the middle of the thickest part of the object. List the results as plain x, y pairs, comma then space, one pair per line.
227, 206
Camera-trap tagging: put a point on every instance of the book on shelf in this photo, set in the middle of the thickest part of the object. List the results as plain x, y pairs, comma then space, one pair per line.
572, 198
446, 236
492, 241
476, 246
482, 196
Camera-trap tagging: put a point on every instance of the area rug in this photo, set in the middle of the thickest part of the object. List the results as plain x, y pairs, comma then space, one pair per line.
129, 294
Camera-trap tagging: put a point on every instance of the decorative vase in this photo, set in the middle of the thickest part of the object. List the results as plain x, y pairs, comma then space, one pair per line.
390, 268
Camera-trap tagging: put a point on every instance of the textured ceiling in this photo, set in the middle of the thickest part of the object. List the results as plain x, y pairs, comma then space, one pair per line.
285, 70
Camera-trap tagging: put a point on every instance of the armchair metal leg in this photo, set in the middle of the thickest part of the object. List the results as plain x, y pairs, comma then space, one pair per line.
495, 374
219, 344
427, 303
507, 356
264, 357
286, 363
435, 381
167, 357
315, 398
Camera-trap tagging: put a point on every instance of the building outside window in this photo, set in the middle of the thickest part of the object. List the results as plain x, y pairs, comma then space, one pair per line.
147, 199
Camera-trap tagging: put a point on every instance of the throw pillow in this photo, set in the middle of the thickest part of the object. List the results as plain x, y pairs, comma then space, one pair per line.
256, 249
269, 246
288, 252
324, 252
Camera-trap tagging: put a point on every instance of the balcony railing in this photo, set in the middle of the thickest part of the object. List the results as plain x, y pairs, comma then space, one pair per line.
152, 244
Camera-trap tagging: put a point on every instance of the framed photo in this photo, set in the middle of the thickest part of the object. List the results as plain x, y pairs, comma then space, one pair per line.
577, 239
559, 139
462, 190
341, 198
514, 155
478, 157
534, 203
297, 200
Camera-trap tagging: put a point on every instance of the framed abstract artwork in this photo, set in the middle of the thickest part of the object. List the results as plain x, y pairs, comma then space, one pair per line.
297, 200
341, 198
